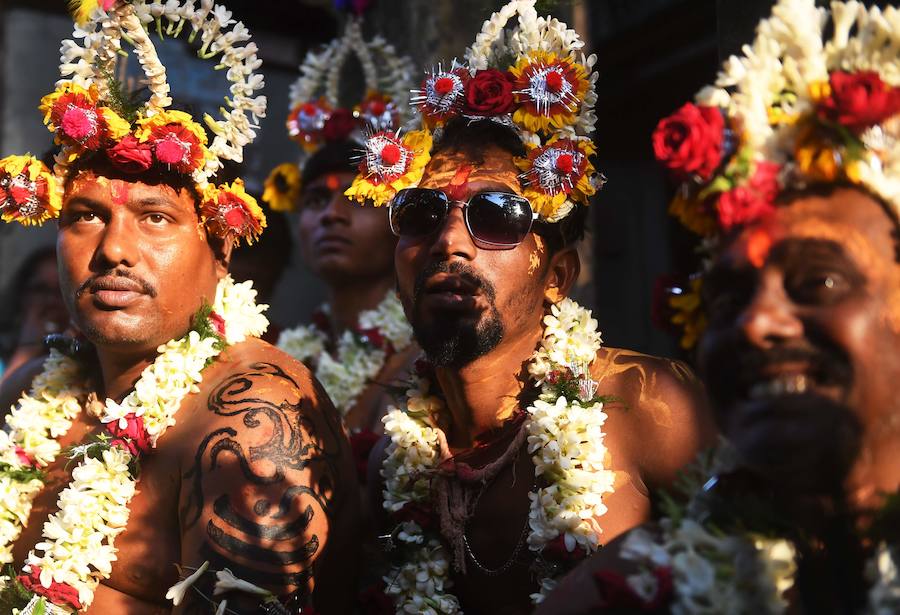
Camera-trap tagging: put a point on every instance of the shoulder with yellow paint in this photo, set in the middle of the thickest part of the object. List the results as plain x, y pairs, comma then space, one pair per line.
659, 415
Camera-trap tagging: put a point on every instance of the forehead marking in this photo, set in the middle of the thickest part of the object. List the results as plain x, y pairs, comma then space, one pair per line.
118, 190
456, 189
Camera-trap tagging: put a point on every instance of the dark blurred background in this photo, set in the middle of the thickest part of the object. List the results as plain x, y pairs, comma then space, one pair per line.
653, 56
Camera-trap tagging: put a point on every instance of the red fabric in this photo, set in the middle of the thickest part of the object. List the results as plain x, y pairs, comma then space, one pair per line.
361, 444
690, 141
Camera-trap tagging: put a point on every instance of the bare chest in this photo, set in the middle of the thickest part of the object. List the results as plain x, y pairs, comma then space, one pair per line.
149, 545
501, 570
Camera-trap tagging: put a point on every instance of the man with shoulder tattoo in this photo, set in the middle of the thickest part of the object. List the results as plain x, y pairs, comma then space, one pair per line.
167, 457
798, 512
522, 444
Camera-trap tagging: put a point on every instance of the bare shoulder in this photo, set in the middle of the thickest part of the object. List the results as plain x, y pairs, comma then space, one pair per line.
267, 475
663, 406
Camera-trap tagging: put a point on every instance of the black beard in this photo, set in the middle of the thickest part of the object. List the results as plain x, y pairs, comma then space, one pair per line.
455, 342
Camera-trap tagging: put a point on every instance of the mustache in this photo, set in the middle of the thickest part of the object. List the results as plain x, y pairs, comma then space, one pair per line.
464, 271
88, 285
826, 362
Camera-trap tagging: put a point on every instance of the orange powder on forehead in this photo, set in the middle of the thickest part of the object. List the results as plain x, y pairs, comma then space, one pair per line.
497, 168
333, 182
118, 190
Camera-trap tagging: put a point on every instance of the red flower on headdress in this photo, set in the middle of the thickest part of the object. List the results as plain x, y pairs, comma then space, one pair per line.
28, 193
549, 89
859, 100
78, 120
231, 213
60, 594
489, 93
306, 122
339, 126
177, 147
378, 112
690, 141
130, 155
748, 202
133, 436
442, 94
386, 158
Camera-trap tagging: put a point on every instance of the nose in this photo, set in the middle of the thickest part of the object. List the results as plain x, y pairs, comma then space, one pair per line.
336, 211
118, 244
770, 318
453, 238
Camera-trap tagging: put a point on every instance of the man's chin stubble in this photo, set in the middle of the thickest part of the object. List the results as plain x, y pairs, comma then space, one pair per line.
451, 346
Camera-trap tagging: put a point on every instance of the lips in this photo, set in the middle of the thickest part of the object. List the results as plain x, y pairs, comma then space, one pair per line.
449, 291
331, 242
115, 292
779, 380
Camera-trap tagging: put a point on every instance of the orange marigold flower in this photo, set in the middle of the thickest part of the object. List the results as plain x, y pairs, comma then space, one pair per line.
231, 213
176, 146
550, 91
28, 191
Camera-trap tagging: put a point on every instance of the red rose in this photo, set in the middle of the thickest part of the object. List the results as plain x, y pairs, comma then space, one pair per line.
58, 593
134, 436
362, 443
339, 126
218, 323
859, 100
130, 155
489, 93
25, 458
752, 200
617, 596
556, 551
689, 142
418, 513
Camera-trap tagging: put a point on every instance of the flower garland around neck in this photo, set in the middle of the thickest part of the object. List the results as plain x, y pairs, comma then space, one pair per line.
77, 549
360, 353
695, 567
565, 441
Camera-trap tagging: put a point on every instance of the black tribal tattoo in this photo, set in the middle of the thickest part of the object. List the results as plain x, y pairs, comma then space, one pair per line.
263, 547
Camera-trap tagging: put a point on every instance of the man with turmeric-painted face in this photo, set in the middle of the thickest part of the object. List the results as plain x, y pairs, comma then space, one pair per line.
798, 512
522, 444
166, 459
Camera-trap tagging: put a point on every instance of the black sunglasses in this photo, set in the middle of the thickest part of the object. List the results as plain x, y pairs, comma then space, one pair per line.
496, 220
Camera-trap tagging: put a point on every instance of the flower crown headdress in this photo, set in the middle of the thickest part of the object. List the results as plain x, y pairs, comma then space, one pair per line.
796, 109
89, 114
529, 77
316, 116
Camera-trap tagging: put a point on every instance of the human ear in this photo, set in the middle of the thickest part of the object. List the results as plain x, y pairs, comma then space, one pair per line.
222, 251
564, 268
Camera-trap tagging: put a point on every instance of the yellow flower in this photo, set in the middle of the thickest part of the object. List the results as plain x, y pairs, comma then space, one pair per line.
363, 189
819, 90
548, 201
689, 315
818, 161
32, 196
64, 88
282, 187
229, 212
693, 215
116, 127
549, 91
145, 125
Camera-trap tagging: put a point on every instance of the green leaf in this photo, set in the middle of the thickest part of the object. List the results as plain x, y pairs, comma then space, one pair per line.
40, 608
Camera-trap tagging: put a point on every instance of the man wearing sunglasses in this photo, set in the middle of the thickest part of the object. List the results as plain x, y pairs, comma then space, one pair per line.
477, 274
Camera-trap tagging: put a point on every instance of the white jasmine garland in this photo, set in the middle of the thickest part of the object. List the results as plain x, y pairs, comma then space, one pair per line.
92, 61
357, 361
565, 440
77, 545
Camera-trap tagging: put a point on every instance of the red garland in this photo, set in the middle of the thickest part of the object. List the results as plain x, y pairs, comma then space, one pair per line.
859, 100
690, 141
60, 594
